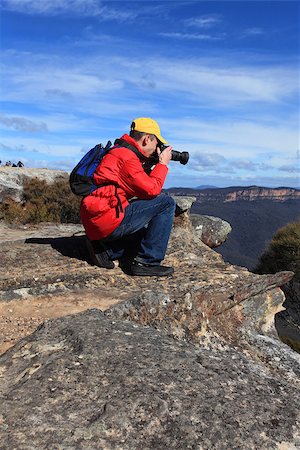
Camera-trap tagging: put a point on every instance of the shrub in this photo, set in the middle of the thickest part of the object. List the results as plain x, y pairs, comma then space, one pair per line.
283, 252
43, 202
13, 212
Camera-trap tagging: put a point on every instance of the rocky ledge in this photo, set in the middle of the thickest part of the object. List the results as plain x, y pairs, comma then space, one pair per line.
192, 361
12, 180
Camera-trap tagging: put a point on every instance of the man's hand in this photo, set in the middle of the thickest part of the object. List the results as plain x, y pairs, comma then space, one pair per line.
165, 156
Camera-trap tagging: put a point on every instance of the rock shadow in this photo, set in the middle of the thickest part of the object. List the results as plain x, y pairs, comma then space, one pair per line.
71, 246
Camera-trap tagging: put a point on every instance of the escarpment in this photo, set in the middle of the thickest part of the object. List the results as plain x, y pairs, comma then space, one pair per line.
239, 193
190, 361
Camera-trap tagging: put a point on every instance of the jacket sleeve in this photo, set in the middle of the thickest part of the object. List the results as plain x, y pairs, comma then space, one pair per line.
135, 178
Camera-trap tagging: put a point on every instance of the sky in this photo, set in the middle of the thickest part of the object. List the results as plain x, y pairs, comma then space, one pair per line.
220, 77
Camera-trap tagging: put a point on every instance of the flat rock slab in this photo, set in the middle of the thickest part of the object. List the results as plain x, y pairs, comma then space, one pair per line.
86, 382
12, 233
48, 273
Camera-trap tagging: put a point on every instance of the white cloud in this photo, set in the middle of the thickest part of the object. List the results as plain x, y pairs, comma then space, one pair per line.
53, 7
81, 8
212, 97
70, 83
200, 81
136, 89
253, 32
231, 84
204, 21
234, 139
192, 36
205, 160
23, 124
233, 179
48, 84
290, 169
21, 145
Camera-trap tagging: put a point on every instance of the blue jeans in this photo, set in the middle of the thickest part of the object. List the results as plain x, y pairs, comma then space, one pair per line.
144, 231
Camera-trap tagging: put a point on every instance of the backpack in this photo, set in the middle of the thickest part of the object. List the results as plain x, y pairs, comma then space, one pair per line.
81, 178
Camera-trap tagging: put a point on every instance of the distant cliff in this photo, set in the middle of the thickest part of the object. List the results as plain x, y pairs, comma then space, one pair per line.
236, 193
254, 213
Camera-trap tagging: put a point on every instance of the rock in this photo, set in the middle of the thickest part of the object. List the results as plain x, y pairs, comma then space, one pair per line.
12, 180
87, 382
262, 193
288, 321
183, 203
16, 232
206, 297
211, 230
227, 310
190, 361
238, 193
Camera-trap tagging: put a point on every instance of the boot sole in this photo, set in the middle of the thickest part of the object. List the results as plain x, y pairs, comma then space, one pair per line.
143, 273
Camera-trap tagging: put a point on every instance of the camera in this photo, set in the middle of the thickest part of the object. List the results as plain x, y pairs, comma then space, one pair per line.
182, 157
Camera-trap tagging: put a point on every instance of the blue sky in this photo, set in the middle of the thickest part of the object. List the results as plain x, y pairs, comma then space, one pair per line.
220, 77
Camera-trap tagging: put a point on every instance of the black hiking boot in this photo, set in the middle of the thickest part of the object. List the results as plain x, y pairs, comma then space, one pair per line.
146, 270
98, 255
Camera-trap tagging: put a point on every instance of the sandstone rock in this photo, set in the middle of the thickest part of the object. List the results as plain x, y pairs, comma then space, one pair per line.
87, 382
183, 203
288, 321
191, 361
211, 230
207, 296
225, 310
16, 232
237, 193
254, 193
12, 179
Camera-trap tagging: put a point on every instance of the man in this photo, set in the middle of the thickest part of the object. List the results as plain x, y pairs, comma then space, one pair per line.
127, 217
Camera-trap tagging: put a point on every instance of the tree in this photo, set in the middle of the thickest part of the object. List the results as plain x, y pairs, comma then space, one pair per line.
283, 251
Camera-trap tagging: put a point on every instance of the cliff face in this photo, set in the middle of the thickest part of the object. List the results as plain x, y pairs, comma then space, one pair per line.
233, 194
190, 361
251, 194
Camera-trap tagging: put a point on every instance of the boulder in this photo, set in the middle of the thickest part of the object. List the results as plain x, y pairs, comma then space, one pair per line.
12, 180
183, 204
211, 230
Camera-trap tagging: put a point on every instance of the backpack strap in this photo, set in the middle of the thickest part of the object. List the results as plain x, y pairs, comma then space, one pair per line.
123, 143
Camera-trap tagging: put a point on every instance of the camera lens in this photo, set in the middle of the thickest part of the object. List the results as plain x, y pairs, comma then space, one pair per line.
182, 157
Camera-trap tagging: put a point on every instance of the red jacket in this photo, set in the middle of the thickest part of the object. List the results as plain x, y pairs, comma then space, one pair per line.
98, 211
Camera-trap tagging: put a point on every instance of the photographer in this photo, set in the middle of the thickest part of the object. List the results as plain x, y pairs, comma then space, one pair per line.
127, 217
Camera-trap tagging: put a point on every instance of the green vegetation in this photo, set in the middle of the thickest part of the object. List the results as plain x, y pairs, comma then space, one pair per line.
43, 202
283, 252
